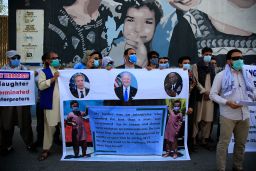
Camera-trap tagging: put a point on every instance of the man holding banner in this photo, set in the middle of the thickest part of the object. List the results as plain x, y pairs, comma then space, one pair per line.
8, 114
49, 100
229, 87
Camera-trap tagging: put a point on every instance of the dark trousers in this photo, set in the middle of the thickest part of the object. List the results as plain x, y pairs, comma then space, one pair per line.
15, 115
40, 123
76, 143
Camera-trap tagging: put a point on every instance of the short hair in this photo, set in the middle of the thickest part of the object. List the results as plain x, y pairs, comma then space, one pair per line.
151, 4
229, 54
177, 101
206, 49
96, 52
126, 73
163, 57
151, 53
47, 55
181, 59
127, 50
78, 74
74, 102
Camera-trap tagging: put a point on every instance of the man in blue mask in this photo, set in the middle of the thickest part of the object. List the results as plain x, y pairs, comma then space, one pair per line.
130, 59
8, 114
229, 86
153, 58
13, 59
163, 63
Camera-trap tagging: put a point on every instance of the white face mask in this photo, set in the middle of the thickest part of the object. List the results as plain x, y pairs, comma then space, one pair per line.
229, 13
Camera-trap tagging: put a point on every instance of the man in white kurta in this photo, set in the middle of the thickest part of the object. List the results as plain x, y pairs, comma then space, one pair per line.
51, 116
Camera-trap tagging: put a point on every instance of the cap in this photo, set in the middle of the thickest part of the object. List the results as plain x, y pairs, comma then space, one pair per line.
106, 60
11, 53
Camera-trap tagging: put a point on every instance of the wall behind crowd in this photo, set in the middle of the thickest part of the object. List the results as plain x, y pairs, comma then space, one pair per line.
173, 29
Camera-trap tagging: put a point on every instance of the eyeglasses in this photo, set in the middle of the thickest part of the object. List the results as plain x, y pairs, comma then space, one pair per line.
235, 58
16, 57
132, 53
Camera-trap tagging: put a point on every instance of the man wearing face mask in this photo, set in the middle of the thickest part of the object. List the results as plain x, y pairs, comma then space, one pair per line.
184, 62
204, 73
8, 113
229, 86
130, 60
94, 61
49, 100
163, 63
153, 58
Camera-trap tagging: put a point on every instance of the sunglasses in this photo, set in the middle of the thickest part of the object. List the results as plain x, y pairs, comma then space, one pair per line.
235, 58
16, 57
110, 63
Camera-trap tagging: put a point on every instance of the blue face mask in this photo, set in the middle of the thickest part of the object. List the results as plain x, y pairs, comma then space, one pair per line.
133, 59
176, 108
15, 62
164, 66
55, 63
186, 66
238, 64
207, 58
154, 61
96, 63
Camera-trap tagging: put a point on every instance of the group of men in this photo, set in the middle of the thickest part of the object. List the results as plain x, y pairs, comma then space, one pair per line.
206, 87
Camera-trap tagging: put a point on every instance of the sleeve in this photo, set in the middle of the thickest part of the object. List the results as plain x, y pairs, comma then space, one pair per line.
215, 90
43, 83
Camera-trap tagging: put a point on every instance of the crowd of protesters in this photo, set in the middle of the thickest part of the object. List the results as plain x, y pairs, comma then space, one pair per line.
213, 92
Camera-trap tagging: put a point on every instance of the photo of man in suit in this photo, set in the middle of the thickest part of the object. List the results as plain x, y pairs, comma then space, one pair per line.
173, 84
80, 90
126, 92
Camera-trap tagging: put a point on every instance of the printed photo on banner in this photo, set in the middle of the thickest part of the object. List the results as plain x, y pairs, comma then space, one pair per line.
79, 85
125, 86
77, 128
174, 136
173, 84
133, 123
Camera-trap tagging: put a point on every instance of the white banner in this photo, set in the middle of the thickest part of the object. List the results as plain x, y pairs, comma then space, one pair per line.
17, 88
251, 140
30, 35
102, 84
89, 89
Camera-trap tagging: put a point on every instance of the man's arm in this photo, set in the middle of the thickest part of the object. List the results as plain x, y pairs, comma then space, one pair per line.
215, 90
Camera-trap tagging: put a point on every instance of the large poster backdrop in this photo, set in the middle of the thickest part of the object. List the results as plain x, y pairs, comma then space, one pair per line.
173, 28
96, 112
251, 139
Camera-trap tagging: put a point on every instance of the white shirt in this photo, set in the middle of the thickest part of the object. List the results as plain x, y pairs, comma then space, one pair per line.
239, 93
128, 91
